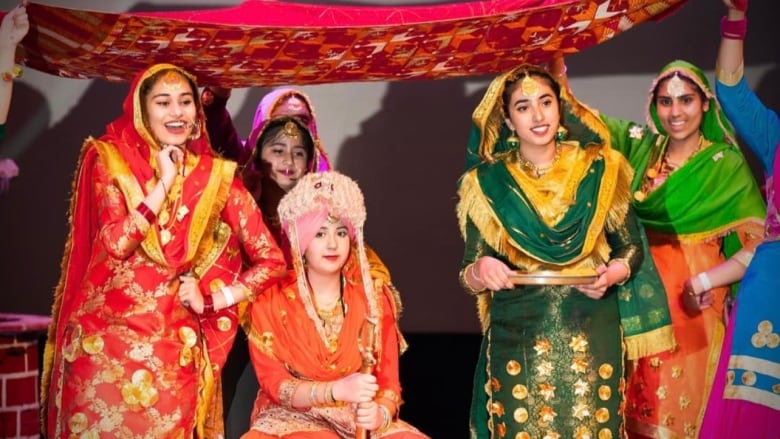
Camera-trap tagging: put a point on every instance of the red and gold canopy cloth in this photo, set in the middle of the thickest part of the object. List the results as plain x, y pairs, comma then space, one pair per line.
265, 43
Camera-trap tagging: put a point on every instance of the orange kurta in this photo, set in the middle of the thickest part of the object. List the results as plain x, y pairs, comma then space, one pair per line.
285, 346
668, 392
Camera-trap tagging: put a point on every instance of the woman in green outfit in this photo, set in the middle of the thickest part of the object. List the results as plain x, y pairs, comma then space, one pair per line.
552, 253
696, 197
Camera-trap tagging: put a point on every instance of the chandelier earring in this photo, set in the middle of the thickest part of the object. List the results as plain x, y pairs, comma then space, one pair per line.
561, 133
196, 132
512, 140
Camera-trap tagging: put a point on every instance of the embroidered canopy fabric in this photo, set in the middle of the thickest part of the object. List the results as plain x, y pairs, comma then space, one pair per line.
265, 43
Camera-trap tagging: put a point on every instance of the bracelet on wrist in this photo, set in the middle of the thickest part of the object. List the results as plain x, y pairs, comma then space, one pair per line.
208, 304
146, 212
733, 29
16, 72
704, 280
386, 419
230, 300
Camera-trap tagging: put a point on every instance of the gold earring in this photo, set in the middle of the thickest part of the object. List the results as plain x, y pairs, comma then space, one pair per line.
560, 135
512, 140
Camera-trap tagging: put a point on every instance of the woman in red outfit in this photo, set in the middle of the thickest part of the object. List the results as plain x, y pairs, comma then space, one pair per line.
144, 311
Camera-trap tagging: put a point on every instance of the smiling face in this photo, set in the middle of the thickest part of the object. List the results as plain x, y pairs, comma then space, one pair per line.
532, 111
328, 250
284, 152
680, 107
170, 109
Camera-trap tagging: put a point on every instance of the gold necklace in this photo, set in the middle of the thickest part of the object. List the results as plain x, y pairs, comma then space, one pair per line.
172, 205
662, 163
530, 166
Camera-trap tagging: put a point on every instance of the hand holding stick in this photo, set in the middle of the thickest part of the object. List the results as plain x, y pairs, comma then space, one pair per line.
366, 346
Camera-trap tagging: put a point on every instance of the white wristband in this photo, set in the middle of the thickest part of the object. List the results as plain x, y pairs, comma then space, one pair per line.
706, 285
229, 299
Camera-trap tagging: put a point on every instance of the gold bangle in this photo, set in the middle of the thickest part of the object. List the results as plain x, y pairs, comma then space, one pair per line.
16, 72
329, 393
385, 419
624, 262
464, 283
312, 391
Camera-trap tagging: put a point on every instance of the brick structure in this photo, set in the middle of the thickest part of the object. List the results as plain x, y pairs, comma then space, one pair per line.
19, 374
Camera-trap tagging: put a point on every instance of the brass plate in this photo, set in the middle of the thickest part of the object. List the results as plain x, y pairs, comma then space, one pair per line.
551, 278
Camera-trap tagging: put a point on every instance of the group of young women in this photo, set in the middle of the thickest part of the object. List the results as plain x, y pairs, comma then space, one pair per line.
601, 253
556, 207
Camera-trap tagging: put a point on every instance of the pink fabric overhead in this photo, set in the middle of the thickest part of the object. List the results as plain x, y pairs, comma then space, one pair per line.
265, 43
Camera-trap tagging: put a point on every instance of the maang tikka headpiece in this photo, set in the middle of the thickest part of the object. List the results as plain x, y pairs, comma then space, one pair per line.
676, 86
291, 130
529, 86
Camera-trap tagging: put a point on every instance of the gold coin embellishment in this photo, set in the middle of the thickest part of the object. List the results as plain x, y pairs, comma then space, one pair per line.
602, 415
519, 391
605, 371
520, 415
513, 368
639, 196
605, 392
651, 173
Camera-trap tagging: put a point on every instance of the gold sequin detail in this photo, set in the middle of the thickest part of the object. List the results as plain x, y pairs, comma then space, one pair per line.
605, 371
661, 392
501, 428
523, 435
748, 378
544, 369
605, 433
580, 411
547, 391
765, 337
543, 347
140, 391
730, 375
497, 408
547, 414
581, 388
495, 385
513, 368
552, 435
676, 372
579, 343
224, 323
519, 391
520, 415
92, 344
78, 422
267, 339
684, 402
579, 365
605, 392
602, 415
216, 285
582, 432
189, 338
70, 351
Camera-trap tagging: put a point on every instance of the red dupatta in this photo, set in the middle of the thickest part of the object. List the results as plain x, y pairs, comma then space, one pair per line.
128, 149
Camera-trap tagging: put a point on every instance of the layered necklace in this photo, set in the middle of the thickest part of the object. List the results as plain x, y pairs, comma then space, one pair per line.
531, 167
332, 317
662, 167
173, 211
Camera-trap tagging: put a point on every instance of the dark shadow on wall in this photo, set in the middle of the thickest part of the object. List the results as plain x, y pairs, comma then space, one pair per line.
34, 212
407, 159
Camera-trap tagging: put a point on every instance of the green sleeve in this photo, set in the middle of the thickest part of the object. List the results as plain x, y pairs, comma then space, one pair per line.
626, 242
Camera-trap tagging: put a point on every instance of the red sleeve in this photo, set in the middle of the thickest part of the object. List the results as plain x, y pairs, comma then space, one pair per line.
265, 260
120, 231
387, 368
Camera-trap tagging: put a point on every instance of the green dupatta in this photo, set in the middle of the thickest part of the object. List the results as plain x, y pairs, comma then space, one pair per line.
693, 203
644, 311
